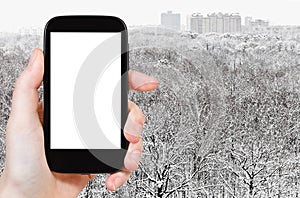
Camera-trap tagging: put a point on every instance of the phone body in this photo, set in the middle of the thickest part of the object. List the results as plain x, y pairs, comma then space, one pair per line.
68, 41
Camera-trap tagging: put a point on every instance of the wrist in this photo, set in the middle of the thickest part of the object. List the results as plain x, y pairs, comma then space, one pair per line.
3, 193
3, 188
6, 190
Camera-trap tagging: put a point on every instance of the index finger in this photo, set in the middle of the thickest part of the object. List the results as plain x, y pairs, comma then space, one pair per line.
141, 82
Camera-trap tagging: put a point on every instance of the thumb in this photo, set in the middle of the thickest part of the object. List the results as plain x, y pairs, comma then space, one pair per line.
25, 96
24, 132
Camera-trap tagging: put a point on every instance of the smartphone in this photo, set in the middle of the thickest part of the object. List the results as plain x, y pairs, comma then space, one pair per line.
86, 60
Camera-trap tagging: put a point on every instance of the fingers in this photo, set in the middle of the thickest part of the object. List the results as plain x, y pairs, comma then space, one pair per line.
133, 133
25, 96
131, 162
132, 130
116, 180
134, 124
133, 155
141, 82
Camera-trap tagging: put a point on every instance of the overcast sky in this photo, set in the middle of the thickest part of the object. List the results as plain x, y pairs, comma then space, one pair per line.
17, 14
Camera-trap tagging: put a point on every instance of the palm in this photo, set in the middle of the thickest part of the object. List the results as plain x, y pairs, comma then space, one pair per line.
70, 185
65, 185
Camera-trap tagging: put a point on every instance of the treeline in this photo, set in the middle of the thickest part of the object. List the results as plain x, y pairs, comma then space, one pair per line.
225, 119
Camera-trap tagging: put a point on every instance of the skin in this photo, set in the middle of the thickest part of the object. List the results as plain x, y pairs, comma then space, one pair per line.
26, 172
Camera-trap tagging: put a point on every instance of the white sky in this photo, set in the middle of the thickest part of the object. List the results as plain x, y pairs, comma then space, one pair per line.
17, 14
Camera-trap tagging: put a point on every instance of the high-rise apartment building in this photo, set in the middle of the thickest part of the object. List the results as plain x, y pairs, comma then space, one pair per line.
213, 22
220, 23
171, 20
257, 25
248, 21
206, 25
235, 23
196, 23
226, 18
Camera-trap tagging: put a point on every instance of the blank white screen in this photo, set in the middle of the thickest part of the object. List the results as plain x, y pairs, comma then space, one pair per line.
68, 51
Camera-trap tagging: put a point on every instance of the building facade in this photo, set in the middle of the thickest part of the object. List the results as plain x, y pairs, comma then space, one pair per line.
255, 25
236, 23
171, 20
219, 23
260, 26
248, 20
196, 22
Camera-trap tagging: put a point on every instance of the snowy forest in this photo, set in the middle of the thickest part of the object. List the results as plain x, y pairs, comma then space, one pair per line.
224, 121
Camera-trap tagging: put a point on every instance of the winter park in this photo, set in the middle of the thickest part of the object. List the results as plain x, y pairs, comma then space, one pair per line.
224, 121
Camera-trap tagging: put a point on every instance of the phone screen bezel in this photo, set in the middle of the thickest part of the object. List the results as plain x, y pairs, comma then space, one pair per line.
82, 160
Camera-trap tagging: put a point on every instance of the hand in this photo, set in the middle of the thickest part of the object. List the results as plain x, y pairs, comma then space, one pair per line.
26, 172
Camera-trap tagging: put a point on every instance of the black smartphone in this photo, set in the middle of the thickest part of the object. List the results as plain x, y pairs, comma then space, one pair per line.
86, 59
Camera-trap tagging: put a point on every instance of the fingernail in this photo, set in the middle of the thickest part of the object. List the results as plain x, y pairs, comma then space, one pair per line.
140, 79
132, 128
118, 182
32, 57
113, 187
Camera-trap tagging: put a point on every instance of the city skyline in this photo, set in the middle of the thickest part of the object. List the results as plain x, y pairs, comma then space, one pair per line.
223, 23
199, 23
184, 24
33, 13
